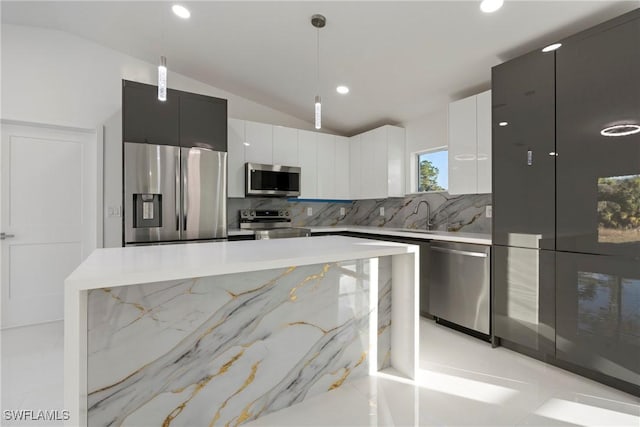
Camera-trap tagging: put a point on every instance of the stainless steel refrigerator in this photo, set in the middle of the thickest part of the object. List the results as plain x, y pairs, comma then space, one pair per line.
174, 194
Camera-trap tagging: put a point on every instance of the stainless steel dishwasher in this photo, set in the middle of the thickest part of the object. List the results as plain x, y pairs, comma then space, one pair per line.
458, 277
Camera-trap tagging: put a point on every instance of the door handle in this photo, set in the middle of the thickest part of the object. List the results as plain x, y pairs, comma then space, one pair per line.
529, 157
459, 252
6, 236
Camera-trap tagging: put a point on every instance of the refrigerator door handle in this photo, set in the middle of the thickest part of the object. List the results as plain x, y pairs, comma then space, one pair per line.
529, 157
184, 153
177, 190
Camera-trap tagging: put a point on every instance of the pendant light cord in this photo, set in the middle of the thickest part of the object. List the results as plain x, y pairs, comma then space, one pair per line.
318, 61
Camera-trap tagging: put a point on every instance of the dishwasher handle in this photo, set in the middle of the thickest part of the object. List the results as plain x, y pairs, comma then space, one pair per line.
459, 252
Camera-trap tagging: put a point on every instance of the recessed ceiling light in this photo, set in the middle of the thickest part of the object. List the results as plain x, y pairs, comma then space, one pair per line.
503, 124
552, 47
489, 6
342, 90
181, 11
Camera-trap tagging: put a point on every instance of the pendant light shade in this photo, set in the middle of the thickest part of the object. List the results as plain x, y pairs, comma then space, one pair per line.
318, 109
318, 21
162, 79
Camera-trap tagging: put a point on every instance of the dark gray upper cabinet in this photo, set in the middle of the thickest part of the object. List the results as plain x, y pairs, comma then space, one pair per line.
598, 179
184, 119
203, 122
523, 97
147, 120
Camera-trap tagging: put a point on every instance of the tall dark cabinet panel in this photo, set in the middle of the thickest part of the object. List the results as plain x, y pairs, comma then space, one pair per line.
203, 122
598, 207
599, 314
523, 115
147, 120
523, 98
598, 78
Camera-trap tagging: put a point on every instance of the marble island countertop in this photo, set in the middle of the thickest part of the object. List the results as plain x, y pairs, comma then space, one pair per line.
143, 264
446, 236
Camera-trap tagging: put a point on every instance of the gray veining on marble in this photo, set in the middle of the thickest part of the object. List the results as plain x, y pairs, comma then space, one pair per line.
227, 349
464, 213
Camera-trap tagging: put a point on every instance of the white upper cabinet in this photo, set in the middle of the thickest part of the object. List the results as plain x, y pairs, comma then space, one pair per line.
470, 145
285, 146
308, 162
341, 169
380, 163
259, 137
355, 166
483, 104
326, 177
235, 157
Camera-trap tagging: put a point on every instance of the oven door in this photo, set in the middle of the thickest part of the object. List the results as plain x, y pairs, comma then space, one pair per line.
272, 180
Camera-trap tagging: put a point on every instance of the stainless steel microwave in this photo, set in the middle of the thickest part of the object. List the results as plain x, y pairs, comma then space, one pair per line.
271, 180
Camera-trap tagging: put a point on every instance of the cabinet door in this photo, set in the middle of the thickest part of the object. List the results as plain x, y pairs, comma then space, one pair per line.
355, 167
341, 189
147, 120
203, 122
524, 297
236, 158
463, 172
367, 162
326, 174
395, 161
378, 174
523, 96
307, 157
259, 137
598, 181
285, 146
483, 156
598, 324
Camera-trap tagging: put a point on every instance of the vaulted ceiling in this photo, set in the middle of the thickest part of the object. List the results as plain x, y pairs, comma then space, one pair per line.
401, 60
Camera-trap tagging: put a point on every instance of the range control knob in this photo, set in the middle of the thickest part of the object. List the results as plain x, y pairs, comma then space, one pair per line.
286, 213
252, 213
280, 213
245, 213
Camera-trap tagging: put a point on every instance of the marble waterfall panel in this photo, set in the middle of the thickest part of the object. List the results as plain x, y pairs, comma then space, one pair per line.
224, 350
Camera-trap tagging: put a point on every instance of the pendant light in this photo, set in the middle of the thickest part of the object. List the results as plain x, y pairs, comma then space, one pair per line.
162, 79
318, 21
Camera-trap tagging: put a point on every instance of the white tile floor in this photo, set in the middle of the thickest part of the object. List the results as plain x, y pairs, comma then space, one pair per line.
463, 381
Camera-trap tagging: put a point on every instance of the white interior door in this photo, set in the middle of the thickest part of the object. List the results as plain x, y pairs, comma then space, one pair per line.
46, 215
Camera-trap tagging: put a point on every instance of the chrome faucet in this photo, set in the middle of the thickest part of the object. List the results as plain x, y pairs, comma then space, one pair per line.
415, 212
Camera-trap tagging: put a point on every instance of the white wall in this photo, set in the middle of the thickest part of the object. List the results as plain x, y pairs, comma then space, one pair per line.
57, 78
52, 77
423, 133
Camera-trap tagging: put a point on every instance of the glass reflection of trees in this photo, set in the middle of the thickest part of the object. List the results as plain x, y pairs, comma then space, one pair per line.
609, 306
619, 209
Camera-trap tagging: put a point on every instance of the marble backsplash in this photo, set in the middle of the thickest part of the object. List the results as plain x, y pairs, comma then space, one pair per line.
465, 213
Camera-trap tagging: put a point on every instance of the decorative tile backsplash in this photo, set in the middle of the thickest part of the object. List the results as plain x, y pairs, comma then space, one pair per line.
453, 213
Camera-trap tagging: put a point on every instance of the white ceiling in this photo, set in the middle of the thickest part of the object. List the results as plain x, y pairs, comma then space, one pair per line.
400, 59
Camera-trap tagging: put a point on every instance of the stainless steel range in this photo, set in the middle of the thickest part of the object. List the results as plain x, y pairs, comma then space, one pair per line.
270, 224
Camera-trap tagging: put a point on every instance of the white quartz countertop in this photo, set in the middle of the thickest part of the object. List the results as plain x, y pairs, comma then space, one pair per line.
142, 264
445, 236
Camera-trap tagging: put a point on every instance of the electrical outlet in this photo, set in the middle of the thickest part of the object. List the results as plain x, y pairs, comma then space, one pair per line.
382, 211
342, 211
114, 211
488, 211
309, 211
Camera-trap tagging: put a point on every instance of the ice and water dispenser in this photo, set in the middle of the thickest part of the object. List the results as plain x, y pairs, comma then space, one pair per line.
147, 210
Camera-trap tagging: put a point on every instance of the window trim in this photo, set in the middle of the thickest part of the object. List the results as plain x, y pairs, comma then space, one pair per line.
416, 169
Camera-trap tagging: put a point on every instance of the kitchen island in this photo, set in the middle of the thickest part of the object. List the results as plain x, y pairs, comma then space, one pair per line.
223, 333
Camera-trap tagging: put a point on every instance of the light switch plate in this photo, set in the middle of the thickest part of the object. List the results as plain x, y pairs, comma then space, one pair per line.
488, 211
342, 211
382, 211
309, 211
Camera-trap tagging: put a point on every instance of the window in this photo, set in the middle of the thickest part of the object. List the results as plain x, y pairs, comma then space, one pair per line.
432, 170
